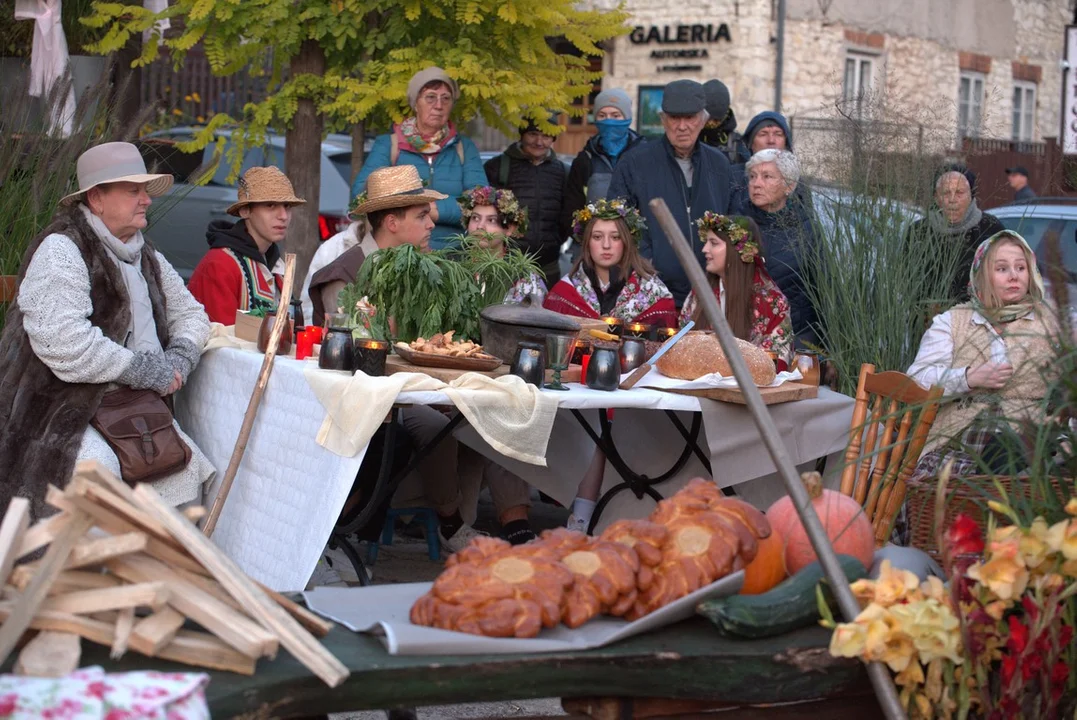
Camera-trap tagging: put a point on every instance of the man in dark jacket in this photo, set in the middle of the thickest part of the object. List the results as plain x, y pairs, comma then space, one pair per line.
536, 176
1017, 176
592, 171
691, 177
721, 129
955, 218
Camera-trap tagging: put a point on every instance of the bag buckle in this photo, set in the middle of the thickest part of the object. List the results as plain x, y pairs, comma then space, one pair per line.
149, 451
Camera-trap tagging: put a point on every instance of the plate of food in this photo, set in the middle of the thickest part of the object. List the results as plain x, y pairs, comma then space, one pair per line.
441, 351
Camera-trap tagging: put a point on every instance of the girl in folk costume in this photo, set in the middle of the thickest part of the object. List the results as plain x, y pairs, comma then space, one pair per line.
611, 278
240, 270
494, 217
756, 309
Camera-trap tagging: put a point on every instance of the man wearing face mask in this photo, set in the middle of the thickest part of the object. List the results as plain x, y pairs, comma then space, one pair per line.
591, 171
536, 176
721, 129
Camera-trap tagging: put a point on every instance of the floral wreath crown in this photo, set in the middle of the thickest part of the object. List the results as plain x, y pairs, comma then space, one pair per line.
734, 230
616, 209
504, 201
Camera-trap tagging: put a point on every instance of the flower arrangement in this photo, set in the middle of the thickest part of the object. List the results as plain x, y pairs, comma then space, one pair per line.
355, 203
604, 209
734, 230
996, 642
504, 201
365, 321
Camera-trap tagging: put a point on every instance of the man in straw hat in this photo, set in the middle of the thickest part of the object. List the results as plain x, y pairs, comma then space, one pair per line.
239, 272
397, 210
97, 307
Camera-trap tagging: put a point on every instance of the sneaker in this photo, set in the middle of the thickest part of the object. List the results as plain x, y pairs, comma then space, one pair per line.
463, 535
340, 564
324, 576
577, 523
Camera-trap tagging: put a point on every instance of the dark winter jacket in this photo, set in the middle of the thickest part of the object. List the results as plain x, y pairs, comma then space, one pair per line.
651, 171
725, 137
541, 189
788, 236
924, 236
42, 418
590, 176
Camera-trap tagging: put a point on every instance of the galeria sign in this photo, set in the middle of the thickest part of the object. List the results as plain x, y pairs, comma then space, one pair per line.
680, 34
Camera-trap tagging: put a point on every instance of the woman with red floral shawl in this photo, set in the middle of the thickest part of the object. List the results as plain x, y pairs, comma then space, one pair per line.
611, 278
756, 309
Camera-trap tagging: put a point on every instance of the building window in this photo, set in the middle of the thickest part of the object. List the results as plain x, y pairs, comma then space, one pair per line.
1024, 110
859, 79
970, 103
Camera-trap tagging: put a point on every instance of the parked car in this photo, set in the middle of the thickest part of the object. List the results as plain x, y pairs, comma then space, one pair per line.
1035, 219
178, 220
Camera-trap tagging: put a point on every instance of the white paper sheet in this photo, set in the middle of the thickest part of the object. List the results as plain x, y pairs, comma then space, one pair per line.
383, 610
655, 379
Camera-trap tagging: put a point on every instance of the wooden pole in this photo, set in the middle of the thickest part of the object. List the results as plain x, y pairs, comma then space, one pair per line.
828, 559
256, 397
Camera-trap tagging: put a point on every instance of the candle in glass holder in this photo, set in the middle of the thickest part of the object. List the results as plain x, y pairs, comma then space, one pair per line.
584, 362
665, 333
370, 356
615, 324
637, 329
316, 333
304, 345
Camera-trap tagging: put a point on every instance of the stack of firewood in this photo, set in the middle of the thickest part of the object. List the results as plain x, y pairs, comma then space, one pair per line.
124, 569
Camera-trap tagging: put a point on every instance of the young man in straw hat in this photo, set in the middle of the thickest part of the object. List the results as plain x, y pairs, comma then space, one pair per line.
238, 272
397, 208
97, 309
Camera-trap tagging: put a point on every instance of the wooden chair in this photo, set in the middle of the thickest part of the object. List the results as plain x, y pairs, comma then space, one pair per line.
878, 464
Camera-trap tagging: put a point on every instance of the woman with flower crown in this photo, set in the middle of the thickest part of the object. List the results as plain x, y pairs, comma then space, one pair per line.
756, 309
494, 217
611, 278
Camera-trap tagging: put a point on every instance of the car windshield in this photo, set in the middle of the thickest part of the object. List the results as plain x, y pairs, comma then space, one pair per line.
1035, 229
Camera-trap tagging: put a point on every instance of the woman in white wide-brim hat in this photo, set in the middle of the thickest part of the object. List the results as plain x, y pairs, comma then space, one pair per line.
97, 308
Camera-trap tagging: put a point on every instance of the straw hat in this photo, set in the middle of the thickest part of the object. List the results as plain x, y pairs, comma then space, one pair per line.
394, 187
264, 184
115, 162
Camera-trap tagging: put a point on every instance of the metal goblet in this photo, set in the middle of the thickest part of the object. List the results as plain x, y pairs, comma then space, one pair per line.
559, 348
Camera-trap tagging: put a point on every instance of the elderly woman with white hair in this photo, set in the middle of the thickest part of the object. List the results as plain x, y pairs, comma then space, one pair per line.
447, 161
955, 217
101, 332
788, 231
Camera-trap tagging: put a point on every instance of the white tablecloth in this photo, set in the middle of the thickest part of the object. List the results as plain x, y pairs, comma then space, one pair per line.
289, 490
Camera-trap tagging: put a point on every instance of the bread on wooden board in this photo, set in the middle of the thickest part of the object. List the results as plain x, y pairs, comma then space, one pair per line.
698, 353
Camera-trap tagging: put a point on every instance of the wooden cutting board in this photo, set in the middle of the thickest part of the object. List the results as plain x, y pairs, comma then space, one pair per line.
396, 364
786, 392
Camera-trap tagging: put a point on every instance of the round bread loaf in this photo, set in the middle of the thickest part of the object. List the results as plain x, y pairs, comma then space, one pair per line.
698, 353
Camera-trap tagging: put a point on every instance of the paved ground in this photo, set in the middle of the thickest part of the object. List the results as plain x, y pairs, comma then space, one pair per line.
406, 560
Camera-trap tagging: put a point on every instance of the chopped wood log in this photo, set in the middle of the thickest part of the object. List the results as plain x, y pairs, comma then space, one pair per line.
98, 550
84, 487
67, 581
299, 642
124, 626
194, 513
50, 655
152, 633
209, 585
43, 532
27, 604
12, 530
236, 629
316, 624
85, 602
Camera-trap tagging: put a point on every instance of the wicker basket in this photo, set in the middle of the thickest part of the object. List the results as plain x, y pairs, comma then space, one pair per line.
968, 495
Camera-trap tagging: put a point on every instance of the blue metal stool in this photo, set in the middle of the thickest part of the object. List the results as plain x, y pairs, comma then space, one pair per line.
430, 520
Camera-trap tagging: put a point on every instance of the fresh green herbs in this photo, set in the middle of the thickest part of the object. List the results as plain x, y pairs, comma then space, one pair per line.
495, 274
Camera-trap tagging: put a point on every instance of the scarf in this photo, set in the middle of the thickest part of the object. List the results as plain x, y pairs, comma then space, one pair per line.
613, 135
409, 130
1007, 313
943, 227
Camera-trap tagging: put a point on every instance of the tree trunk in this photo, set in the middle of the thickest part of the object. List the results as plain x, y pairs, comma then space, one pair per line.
358, 147
303, 159
127, 87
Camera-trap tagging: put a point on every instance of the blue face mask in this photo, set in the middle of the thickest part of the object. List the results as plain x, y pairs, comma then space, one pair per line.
613, 135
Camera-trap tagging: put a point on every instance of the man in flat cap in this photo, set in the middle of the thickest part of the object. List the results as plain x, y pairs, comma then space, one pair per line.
690, 176
1018, 178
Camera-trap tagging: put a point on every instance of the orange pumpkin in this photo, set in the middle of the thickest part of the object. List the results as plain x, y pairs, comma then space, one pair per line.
768, 567
843, 520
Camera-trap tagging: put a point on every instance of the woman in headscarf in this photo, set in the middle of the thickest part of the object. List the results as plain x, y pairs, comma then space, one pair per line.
591, 171
994, 357
448, 162
493, 217
611, 278
955, 218
756, 309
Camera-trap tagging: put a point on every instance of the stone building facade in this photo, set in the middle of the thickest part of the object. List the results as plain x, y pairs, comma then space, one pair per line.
952, 68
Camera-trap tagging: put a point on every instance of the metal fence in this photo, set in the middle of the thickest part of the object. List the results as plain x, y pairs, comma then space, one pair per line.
193, 91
